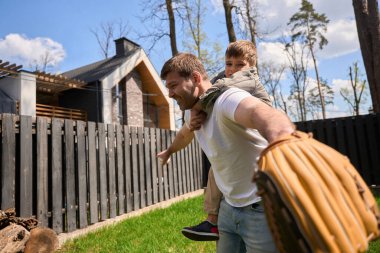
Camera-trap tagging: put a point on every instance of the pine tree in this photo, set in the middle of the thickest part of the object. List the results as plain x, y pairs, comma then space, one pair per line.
308, 27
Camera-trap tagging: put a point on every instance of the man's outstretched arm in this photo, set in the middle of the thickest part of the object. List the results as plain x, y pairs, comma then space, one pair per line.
270, 122
181, 140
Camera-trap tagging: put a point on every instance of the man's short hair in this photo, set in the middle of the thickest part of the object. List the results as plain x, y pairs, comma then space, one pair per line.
242, 48
184, 64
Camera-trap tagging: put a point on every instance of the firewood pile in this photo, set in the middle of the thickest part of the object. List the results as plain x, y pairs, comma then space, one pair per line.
23, 235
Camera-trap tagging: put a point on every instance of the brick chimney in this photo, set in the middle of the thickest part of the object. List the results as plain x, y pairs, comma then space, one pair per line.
124, 46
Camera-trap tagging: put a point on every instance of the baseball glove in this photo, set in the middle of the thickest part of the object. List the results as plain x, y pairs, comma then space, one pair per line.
315, 200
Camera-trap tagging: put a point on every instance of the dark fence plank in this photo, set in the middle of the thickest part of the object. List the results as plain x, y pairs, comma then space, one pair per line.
183, 171
102, 172
141, 155
179, 172
82, 174
26, 167
169, 167
159, 167
154, 164
188, 179
8, 167
351, 140
373, 149
42, 171
148, 166
56, 166
165, 168
135, 171
191, 166
363, 152
92, 173
330, 133
120, 170
128, 170
111, 170
70, 176
340, 136
174, 166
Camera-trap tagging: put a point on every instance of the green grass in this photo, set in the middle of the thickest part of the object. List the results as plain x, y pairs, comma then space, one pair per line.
156, 231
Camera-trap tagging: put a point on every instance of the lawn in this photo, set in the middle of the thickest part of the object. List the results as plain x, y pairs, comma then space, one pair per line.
156, 231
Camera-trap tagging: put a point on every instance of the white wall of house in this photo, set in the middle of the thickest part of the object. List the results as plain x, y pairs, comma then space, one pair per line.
23, 89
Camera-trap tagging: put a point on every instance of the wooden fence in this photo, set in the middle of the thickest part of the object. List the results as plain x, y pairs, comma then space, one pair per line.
69, 174
356, 137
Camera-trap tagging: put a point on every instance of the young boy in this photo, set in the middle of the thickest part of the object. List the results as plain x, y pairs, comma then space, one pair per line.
240, 57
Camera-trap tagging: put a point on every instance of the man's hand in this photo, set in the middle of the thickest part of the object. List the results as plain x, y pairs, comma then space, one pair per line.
164, 157
197, 117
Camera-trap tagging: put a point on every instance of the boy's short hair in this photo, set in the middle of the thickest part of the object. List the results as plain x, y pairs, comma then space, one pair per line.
242, 48
184, 64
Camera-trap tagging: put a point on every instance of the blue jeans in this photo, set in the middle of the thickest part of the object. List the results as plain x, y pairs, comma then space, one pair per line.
243, 229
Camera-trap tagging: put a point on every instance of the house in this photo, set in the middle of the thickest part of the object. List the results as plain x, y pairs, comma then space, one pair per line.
123, 89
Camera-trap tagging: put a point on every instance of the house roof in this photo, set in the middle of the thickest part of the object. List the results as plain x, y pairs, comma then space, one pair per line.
98, 70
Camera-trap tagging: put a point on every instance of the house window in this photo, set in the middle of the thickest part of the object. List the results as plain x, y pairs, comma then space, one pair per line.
150, 113
117, 104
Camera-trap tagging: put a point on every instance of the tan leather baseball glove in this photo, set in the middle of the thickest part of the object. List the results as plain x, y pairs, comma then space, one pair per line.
315, 200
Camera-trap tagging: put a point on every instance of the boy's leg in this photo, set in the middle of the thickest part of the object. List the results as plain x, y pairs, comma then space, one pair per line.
212, 200
207, 230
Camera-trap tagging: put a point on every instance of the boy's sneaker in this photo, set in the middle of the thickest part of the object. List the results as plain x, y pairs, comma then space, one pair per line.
204, 231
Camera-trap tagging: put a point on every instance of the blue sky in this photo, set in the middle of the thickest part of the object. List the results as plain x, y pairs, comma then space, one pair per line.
63, 26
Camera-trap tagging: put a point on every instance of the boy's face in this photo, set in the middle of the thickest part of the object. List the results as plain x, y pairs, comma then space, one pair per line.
235, 64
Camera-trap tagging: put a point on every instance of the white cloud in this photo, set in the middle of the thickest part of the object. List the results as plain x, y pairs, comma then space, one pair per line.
335, 111
338, 84
19, 49
272, 52
340, 9
342, 39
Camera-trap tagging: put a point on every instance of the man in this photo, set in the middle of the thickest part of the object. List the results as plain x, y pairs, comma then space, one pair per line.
240, 61
232, 138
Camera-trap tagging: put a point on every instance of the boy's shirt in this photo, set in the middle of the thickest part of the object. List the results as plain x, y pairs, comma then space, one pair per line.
247, 80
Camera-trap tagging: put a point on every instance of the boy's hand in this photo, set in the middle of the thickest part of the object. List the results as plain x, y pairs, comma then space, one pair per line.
164, 157
197, 117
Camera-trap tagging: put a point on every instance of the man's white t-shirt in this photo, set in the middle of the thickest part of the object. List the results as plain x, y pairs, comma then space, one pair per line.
232, 150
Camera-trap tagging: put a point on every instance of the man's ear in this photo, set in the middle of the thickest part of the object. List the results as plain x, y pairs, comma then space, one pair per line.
197, 77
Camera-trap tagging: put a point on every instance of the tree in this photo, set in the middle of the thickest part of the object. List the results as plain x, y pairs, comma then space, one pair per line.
270, 76
247, 11
229, 23
354, 95
193, 16
307, 27
297, 60
313, 98
43, 63
107, 32
368, 26
161, 16
172, 32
